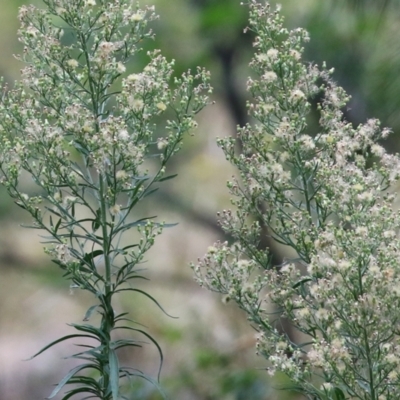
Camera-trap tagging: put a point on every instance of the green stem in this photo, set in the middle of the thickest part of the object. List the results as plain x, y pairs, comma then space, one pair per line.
370, 367
107, 322
106, 239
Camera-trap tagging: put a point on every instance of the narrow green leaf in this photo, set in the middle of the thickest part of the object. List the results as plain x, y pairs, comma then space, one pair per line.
121, 251
126, 343
301, 282
90, 312
304, 344
89, 257
53, 211
96, 222
90, 329
77, 221
144, 333
94, 353
364, 385
120, 316
20, 205
31, 226
81, 149
57, 225
139, 222
59, 341
149, 192
169, 225
140, 374
73, 392
167, 178
339, 395
67, 377
148, 296
88, 381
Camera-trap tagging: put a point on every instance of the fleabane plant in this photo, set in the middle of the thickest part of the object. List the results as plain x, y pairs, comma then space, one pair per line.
88, 135
328, 198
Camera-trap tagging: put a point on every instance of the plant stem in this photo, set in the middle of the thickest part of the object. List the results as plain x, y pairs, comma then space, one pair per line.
107, 322
106, 239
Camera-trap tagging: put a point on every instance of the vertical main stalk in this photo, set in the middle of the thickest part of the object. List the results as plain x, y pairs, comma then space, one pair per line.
107, 321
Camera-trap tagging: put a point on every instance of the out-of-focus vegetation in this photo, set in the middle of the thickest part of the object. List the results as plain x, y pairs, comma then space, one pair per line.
209, 350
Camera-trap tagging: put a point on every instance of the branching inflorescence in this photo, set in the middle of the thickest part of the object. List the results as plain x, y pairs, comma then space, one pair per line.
328, 198
84, 130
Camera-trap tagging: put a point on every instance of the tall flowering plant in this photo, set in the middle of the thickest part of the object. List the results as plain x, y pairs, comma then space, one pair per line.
326, 197
89, 136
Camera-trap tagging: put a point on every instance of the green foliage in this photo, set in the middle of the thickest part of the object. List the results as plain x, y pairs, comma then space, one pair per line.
327, 316
89, 148
75, 209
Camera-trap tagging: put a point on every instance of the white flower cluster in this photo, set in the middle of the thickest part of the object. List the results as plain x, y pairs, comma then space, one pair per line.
66, 105
81, 127
328, 198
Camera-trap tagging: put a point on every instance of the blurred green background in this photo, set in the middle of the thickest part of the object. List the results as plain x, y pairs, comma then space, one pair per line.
209, 349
